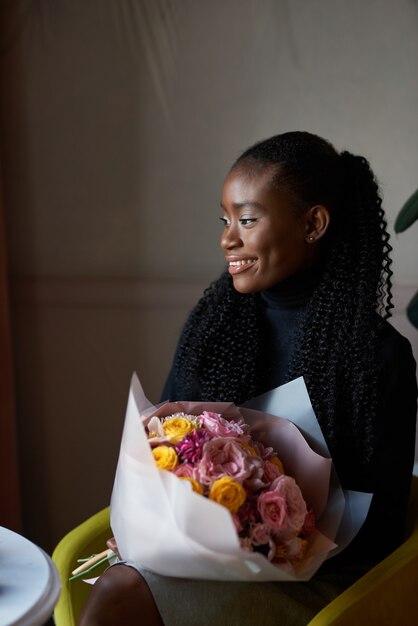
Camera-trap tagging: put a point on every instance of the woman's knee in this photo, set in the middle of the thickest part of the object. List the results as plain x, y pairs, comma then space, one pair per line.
120, 580
120, 596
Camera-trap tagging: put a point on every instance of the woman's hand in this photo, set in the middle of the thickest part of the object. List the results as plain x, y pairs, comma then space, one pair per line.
112, 545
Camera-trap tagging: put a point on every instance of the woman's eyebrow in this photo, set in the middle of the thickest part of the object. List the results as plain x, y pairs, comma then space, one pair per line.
245, 203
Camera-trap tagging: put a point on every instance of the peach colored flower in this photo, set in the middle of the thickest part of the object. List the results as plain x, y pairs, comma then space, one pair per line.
292, 550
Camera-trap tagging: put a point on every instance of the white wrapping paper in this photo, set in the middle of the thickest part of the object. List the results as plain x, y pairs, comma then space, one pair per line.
160, 524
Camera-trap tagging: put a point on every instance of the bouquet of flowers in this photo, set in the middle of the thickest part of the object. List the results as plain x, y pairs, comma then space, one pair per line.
212, 491
225, 464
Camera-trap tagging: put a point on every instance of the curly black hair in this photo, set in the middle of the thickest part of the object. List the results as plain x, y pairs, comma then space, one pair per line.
222, 355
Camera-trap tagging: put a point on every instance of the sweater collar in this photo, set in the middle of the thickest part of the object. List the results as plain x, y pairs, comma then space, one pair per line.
294, 292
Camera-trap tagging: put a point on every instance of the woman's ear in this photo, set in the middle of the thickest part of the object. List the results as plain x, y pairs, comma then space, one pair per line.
317, 220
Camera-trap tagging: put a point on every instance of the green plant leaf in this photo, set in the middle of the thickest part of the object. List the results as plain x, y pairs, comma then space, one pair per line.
408, 213
412, 311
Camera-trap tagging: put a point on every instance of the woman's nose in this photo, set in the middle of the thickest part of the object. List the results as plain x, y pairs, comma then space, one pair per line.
230, 238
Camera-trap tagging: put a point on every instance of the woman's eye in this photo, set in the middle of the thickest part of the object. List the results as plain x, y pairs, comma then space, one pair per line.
244, 221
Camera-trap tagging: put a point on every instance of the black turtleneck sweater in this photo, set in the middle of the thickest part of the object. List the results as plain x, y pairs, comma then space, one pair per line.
283, 310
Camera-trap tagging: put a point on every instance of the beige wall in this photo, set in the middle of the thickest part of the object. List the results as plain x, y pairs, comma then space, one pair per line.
78, 343
118, 122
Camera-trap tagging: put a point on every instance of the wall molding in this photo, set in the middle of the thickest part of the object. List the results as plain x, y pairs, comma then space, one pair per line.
75, 291
81, 292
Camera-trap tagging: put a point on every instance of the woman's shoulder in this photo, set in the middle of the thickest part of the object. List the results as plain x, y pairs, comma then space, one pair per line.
392, 346
396, 364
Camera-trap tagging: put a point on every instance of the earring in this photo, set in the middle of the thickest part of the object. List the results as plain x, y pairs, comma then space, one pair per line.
311, 238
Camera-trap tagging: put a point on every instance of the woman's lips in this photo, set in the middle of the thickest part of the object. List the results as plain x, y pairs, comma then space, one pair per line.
237, 266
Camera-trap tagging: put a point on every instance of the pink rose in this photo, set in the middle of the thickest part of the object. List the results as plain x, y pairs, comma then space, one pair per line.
237, 522
185, 470
260, 534
309, 523
263, 451
271, 472
272, 508
221, 427
283, 507
223, 457
254, 482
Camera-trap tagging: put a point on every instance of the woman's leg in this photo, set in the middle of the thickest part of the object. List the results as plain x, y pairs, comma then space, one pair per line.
120, 596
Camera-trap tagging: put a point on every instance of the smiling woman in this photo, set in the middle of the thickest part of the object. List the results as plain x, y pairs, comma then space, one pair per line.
264, 239
307, 292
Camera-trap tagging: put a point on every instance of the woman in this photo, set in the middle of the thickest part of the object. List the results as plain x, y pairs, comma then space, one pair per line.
307, 292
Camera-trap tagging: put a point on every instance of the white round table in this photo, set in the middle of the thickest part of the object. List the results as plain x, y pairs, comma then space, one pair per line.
29, 582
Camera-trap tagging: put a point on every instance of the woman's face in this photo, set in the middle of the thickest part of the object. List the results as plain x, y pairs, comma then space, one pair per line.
263, 239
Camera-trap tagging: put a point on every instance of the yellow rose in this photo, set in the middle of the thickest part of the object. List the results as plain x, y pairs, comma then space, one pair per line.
197, 487
165, 457
228, 492
177, 428
248, 448
276, 461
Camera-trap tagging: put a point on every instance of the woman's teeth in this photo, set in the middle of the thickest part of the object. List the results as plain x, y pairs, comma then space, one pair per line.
241, 262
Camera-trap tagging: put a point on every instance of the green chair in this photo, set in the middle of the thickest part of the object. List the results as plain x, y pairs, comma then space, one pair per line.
387, 594
86, 539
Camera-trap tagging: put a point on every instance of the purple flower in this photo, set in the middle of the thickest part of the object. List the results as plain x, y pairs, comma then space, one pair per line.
190, 448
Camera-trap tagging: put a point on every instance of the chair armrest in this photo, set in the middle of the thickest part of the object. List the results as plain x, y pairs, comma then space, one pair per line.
88, 538
387, 594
